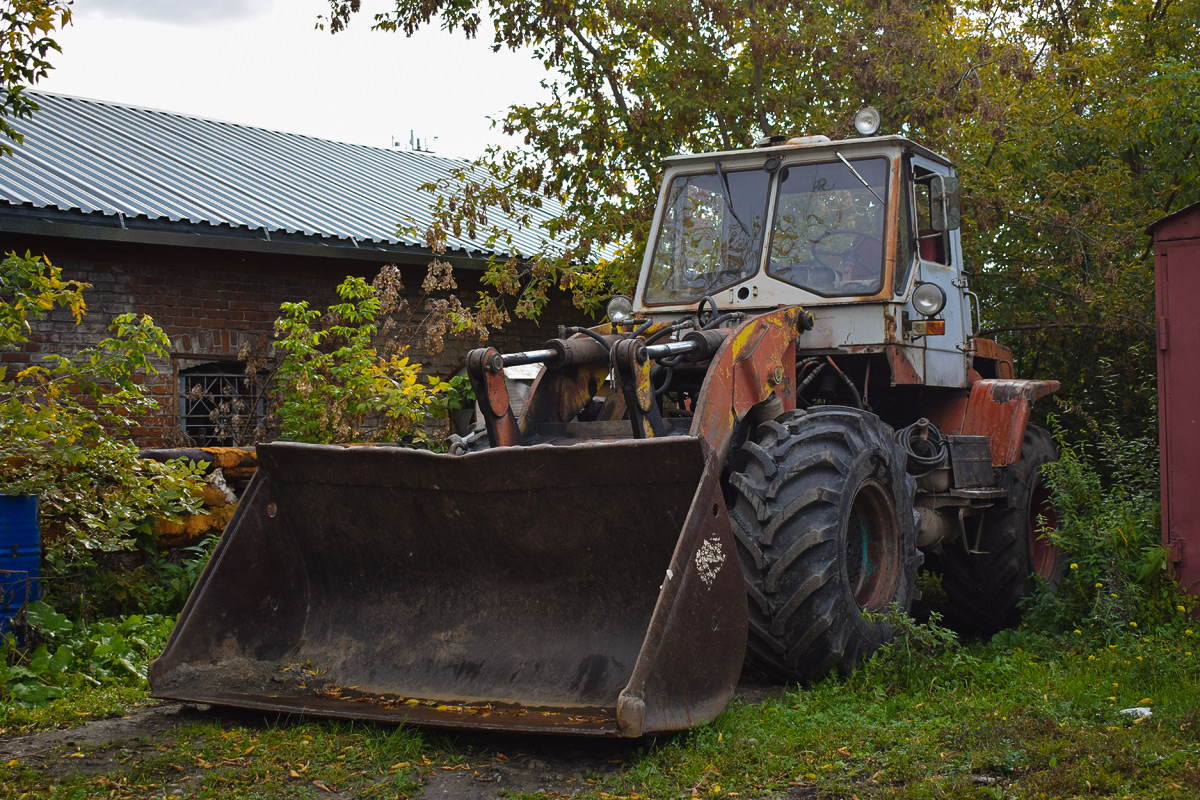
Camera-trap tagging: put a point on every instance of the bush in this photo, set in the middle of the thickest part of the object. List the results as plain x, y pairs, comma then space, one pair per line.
918, 652
63, 426
335, 385
63, 654
1106, 494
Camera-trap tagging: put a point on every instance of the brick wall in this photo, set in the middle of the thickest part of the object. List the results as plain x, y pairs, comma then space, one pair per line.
211, 302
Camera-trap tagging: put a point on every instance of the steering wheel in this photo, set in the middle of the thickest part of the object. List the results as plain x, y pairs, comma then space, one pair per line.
843, 254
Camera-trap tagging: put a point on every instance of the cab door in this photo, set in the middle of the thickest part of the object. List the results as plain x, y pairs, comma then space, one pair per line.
939, 261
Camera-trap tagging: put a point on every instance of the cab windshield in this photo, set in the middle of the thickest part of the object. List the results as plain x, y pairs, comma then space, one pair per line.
710, 236
827, 235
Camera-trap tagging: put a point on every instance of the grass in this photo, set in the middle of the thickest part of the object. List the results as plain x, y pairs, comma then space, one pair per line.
1024, 716
78, 706
1027, 717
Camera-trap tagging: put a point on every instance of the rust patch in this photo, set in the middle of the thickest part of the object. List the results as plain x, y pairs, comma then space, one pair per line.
761, 351
988, 350
889, 325
902, 371
486, 373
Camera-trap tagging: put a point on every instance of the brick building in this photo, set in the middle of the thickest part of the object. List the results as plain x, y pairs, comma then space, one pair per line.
208, 226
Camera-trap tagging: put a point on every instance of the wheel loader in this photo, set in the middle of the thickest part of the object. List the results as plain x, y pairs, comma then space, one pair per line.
751, 456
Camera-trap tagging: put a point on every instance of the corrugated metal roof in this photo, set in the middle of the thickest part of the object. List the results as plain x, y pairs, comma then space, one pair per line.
100, 158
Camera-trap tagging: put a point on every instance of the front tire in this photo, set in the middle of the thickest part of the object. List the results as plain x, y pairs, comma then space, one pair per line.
984, 590
825, 526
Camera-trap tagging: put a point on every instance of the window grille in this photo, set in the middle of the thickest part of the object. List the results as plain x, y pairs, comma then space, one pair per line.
217, 404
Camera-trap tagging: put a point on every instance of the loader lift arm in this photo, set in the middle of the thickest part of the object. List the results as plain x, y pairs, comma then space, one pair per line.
742, 367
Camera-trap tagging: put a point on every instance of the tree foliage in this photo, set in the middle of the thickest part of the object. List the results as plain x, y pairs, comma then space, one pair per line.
1074, 124
26, 31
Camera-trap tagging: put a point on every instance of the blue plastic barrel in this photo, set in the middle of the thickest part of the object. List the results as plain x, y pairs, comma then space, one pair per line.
20, 556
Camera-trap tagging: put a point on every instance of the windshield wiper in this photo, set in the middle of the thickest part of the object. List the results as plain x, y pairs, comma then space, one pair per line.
852, 169
729, 200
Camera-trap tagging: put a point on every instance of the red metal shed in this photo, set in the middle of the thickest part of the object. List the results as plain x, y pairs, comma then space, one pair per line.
1177, 293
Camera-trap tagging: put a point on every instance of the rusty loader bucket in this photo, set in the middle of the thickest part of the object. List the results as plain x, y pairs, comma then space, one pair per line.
591, 589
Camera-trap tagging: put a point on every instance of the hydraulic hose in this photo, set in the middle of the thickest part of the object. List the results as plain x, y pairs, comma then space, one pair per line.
591, 333
922, 442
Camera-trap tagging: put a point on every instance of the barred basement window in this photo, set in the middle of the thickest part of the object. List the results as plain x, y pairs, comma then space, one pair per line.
217, 404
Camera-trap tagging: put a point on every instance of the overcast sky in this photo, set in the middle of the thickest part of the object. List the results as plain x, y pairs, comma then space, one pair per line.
261, 62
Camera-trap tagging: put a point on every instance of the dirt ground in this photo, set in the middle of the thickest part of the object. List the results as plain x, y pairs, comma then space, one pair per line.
503, 764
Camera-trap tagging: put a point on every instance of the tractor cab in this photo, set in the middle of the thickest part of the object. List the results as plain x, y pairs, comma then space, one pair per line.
863, 233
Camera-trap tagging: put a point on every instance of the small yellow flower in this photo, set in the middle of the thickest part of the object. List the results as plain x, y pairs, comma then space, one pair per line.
1099, 585
1188, 631
1181, 609
1113, 596
1074, 566
1133, 624
1078, 631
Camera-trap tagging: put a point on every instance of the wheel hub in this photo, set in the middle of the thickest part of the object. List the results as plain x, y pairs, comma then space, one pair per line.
872, 554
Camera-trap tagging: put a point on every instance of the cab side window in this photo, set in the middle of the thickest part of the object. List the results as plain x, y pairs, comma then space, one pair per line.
931, 245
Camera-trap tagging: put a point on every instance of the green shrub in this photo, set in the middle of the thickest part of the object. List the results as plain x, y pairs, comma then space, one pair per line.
1106, 494
64, 426
335, 385
137, 610
917, 653
139, 582
63, 422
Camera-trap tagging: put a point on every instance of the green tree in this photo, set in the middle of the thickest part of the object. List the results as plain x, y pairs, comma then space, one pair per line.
1074, 125
26, 31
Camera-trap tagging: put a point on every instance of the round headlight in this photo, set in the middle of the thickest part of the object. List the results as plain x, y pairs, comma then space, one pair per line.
620, 308
867, 121
928, 299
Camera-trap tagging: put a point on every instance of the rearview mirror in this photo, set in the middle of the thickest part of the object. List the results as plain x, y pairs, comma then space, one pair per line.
944, 214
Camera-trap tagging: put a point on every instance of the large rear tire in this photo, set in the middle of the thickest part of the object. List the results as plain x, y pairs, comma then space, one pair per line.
984, 590
825, 526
